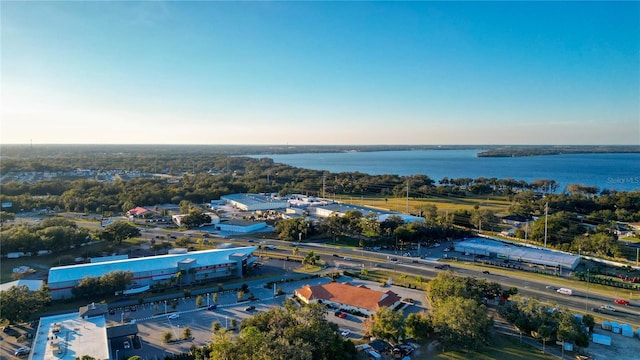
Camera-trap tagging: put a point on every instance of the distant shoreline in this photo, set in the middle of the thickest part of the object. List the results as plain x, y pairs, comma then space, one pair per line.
513, 151
100, 150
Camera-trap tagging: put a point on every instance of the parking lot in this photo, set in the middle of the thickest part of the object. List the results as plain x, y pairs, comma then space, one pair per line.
152, 325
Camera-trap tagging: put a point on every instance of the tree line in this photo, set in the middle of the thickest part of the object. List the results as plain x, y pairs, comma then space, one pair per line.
58, 235
581, 218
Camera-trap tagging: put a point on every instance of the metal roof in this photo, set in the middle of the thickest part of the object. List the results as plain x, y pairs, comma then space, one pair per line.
206, 257
33, 285
254, 199
516, 252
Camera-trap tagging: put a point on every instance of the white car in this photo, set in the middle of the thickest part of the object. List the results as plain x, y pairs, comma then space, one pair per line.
174, 316
345, 332
608, 307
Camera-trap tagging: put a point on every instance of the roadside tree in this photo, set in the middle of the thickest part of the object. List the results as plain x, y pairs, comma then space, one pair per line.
19, 304
387, 324
462, 322
119, 230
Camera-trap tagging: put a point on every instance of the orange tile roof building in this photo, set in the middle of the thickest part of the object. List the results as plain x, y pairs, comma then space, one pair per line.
348, 297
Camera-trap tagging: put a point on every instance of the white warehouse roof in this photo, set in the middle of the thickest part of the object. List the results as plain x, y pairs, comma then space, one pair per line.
522, 253
136, 265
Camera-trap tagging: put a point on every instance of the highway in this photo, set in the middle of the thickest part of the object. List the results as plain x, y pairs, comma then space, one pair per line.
541, 288
528, 285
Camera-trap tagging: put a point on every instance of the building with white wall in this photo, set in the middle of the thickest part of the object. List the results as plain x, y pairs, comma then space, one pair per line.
341, 209
241, 226
520, 253
253, 202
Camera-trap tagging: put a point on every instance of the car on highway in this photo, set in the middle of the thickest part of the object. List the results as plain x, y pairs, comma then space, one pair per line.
442, 266
621, 301
347, 258
126, 344
173, 316
607, 307
336, 255
486, 272
250, 308
345, 332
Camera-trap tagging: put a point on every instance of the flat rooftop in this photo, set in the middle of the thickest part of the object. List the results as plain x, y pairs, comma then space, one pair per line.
74, 338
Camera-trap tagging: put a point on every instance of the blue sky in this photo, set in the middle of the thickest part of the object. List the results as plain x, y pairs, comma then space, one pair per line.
320, 72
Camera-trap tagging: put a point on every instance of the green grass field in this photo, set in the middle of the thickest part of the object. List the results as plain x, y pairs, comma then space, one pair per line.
502, 347
444, 204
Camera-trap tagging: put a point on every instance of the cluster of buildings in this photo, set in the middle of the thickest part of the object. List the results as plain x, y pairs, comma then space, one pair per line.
291, 206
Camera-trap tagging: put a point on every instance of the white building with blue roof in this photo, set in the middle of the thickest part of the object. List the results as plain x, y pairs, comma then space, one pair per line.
148, 271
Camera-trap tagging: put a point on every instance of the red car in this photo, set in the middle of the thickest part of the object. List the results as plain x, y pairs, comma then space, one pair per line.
621, 302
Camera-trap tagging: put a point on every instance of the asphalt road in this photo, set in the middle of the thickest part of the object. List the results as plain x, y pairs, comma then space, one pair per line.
580, 301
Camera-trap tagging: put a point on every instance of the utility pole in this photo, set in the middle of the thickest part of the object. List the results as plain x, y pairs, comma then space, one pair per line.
323, 185
546, 217
407, 196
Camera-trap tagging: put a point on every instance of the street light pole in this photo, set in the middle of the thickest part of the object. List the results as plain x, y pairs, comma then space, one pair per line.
586, 307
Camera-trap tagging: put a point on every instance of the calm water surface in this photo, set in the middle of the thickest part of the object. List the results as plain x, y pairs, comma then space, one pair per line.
606, 171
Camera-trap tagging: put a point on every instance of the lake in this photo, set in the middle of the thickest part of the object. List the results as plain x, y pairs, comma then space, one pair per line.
619, 171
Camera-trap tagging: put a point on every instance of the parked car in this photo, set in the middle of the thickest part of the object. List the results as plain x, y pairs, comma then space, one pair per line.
621, 302
342, 315
22, 351
112, 311
174, 316
126, 344
250, 308
345, 332
212, 307
134, 308
607, 307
